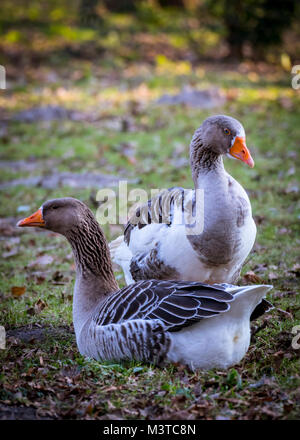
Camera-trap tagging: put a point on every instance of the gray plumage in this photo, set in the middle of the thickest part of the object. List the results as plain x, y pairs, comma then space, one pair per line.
145, 321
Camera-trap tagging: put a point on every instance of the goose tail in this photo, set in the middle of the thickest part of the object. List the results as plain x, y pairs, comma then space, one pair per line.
251, 298
261, 289
122, 256
114, 245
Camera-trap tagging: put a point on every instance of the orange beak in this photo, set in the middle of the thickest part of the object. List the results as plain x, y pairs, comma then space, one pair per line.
241, 152
35, 219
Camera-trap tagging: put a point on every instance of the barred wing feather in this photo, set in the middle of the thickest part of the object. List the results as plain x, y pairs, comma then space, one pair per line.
174, 304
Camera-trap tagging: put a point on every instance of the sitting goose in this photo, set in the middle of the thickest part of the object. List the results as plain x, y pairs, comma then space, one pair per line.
150, 320
168, 250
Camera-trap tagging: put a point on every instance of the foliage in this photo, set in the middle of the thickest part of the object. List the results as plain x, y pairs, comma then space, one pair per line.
208, 28
259, 23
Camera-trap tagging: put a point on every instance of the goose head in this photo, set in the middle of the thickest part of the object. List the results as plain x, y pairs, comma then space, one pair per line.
222, 135
73, 219
58, 215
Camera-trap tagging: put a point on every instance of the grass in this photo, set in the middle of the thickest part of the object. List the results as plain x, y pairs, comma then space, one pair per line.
45, 371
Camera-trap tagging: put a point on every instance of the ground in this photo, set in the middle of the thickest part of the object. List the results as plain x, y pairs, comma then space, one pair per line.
107, 121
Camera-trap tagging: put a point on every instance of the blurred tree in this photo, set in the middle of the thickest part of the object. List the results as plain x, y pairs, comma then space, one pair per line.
177, 3
88, 16
258, 22
120, 6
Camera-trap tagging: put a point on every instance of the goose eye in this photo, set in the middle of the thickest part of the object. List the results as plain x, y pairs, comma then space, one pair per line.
227, 131
54, 207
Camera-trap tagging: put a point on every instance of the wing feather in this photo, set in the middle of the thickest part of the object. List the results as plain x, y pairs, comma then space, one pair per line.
175, 304
178, 311
165, 317
159, 209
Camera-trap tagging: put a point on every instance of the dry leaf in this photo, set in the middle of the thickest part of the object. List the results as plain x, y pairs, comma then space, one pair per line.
272, 276
57, 276
110, 405
283, 231
296, 269
44, 260
39, 306
40, 279
251, 277
111, 388
89, 409
10, 253
18, 291
284, 313
37, 277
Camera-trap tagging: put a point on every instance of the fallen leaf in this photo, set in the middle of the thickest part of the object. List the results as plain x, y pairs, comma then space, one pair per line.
110, 405
283, 294
37, 277
284, 231
292, 189
89, 409
291, 171
279, 353
40, 279
273, 267
296, 269
10, 253
18, 291
284, 313
39, 306
258, 384
57, 276
111, 388
251, 277
272, 276
260, 268
44, 260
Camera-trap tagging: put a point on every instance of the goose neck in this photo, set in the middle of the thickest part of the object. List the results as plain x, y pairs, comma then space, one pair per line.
204, 160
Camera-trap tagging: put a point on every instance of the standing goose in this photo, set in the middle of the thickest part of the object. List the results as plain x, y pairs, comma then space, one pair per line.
153, 321
151, 248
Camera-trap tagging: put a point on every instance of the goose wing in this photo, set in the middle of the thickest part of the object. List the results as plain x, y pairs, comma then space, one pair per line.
175, 304
158, 209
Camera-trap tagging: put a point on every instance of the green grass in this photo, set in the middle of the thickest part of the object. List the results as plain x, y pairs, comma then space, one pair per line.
50, 375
